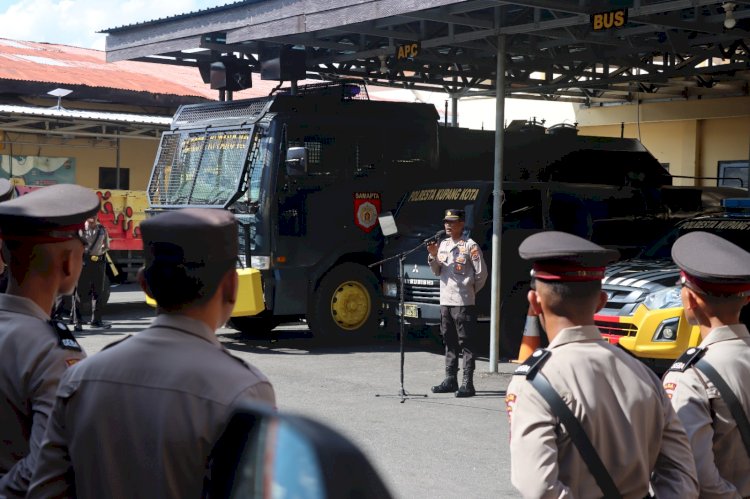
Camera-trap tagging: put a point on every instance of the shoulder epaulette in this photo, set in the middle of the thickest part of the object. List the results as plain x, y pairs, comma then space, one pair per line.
687, 359
117, 342
535, 361
65, 338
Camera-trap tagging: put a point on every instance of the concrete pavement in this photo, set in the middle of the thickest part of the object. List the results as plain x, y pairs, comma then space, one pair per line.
426, 447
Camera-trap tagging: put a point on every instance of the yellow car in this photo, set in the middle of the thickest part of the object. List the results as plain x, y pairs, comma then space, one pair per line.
644, 312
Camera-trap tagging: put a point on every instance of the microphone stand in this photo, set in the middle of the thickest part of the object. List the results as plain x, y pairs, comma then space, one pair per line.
401, 257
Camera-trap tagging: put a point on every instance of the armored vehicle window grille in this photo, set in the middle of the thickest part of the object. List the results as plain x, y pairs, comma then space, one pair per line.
220, 113
199, 168
314, 150
246, 230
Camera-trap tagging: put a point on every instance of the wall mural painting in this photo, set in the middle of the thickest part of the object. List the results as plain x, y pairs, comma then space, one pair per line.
38, 170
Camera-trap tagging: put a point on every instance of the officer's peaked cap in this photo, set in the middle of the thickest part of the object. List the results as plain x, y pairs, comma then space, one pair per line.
49, 214
453, 215
712, 264
194, 237
559, 256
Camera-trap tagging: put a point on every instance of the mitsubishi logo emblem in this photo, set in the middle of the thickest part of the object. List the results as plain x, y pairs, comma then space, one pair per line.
415, 270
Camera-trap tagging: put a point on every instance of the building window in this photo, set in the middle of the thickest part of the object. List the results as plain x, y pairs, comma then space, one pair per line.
665, 166
108, 178
734, 173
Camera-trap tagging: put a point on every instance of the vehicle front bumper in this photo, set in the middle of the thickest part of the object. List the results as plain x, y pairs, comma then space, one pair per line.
637, 333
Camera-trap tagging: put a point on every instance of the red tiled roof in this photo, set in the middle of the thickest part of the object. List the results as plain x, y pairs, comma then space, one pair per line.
66, 65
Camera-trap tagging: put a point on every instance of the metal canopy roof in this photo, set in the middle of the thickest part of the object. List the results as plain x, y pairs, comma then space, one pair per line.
75, 123
668, 49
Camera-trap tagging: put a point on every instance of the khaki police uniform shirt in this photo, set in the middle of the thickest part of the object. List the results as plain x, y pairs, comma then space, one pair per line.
139, 418
720, 456
624, 412
462, 271
33, 361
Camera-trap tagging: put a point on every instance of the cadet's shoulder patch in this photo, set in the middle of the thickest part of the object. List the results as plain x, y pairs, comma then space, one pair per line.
510, 404
670, 388
535, 361
117, 342
65, 338
687, 359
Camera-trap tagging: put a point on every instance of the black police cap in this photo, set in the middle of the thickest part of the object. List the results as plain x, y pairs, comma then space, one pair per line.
199, 237
559, 256
712, 264
49, 214
453, 215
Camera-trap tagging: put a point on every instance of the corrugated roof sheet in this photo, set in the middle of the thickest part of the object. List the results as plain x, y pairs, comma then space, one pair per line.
185, 15
89, 115
62, 65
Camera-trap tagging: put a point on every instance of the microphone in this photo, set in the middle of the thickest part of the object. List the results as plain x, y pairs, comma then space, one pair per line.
434, 238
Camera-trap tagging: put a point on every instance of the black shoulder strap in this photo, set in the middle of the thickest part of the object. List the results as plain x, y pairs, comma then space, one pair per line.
535, 361
575, 430
731, 400
687, 359
65, 338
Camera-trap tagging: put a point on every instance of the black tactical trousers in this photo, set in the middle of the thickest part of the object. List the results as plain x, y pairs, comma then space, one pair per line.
90, 287
458, 327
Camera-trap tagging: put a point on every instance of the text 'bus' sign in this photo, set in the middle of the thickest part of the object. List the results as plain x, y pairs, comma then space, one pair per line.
608, 20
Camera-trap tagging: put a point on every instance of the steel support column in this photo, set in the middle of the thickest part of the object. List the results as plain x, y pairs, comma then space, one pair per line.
497, 215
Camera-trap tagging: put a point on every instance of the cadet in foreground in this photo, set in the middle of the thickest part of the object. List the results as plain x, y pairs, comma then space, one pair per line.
139, 419
586, 418
708, 384
44, 255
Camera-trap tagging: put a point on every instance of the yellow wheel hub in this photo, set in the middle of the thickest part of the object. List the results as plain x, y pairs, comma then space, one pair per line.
350, 305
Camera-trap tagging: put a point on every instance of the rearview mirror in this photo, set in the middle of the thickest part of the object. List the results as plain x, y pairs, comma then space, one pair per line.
387, 224
296, 161
266, 454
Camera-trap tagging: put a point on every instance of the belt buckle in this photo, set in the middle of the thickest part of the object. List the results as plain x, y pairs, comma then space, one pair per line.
94, 258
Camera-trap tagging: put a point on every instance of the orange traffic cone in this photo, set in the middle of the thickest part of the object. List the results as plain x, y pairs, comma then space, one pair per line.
531, 337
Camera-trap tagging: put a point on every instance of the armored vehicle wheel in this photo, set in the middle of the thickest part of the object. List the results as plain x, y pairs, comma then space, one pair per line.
258, 326
346, 303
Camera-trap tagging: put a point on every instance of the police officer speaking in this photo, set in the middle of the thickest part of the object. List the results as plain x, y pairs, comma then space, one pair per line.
586, 418
708, 385
459, 263
43, 253
160, 398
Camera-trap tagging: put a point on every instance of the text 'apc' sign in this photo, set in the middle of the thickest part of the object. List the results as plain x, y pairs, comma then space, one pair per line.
608, 20
408, 51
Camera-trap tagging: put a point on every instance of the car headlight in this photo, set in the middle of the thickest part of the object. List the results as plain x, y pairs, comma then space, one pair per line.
665, 298
260, 262
667, 330
390, 289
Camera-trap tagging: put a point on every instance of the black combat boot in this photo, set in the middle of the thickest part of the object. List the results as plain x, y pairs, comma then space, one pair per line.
467, 388
449, 384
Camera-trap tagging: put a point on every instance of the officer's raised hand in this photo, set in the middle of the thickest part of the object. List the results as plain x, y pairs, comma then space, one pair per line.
432, 248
